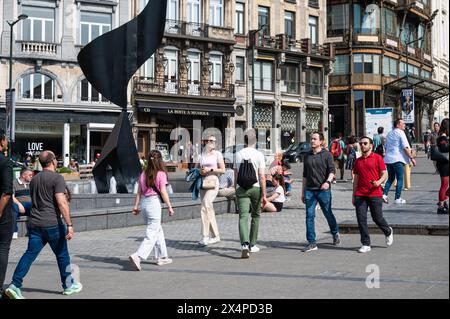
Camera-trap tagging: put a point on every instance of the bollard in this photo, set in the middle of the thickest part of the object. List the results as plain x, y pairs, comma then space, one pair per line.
136, 186
113, 186
93, 188
76, 188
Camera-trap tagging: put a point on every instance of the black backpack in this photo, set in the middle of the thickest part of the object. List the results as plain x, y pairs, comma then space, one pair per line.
247, 175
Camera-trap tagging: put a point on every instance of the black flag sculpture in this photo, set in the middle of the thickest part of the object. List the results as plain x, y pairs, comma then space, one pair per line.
109, 62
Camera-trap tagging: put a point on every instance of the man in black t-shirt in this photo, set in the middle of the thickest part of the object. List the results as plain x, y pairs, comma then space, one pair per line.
47, 190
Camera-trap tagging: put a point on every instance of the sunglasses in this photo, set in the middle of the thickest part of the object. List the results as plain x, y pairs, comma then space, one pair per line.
364, 143
211, 141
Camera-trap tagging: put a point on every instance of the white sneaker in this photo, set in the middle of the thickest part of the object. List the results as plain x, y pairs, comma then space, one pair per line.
204, 241
400, 201
245, 252
164, 261
214, 240
15, 235
135, 261
390, 238
254, 249
364, 249
386, 199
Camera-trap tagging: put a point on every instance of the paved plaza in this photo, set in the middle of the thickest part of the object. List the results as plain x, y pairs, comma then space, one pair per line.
414, 267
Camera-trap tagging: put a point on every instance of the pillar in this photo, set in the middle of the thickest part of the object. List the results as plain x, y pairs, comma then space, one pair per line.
66, 144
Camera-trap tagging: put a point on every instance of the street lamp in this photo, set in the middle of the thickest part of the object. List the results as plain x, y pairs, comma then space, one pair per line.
9, 100
252, 38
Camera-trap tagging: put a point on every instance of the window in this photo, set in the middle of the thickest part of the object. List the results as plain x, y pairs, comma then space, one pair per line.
216, 70
264, 19
90, 94
313, 29
194, 11
37, 86
263, 76
414, 70
426, 74
148, 69
289, 24
421, 44
314, 82
408, 35
389, 18
40, 25
337, 20
194, 72
216, 13
402, 69
341, 65
390, 67
366, 63
366, 19
240, 69
313, 3
94, 24
240, 20
290, 75
172, 10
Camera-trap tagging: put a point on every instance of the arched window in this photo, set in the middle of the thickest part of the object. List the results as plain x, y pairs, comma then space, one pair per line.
37, 86
147, 71
90, 94
171, 70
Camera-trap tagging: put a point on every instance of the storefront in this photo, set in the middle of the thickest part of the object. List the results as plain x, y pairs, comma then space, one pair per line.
263, 117
289, 125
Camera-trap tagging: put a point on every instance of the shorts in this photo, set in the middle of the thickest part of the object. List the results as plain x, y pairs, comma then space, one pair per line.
278, 206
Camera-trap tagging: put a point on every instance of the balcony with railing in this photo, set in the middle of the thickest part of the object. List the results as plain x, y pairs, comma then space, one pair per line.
421, 6
37, 48
186, 89
198, 30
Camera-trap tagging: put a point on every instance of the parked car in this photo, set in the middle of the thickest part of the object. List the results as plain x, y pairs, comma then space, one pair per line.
296, 152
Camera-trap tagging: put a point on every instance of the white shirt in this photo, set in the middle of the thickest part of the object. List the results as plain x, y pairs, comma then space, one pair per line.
282, 197
255, 157
396, 142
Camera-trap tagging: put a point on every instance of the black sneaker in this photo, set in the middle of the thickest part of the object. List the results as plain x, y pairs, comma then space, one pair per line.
336, 239
442, 210
310, 247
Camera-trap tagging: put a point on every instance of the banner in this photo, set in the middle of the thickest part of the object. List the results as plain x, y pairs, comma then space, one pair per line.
407, 100
376, 118
10, 116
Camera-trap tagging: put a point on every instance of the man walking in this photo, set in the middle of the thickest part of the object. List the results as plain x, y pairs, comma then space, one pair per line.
377, 138
398, 154
337, 150
6, 211
318, 172
47, 190
370, 173
251, 191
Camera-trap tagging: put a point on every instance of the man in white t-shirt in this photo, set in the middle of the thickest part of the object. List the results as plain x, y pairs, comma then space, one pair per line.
251, 190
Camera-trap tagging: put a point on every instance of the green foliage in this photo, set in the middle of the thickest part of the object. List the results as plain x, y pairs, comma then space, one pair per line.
64, 170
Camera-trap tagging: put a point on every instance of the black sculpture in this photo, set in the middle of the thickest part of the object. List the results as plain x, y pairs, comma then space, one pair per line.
109, 62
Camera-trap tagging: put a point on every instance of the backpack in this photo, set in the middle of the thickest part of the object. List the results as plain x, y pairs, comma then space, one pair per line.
247, 175
336, 149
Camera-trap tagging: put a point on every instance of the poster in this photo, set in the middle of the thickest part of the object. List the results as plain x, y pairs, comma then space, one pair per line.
376, 118
407, 100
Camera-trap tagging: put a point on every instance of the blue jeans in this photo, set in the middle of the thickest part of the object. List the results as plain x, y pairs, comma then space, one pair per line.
395, 171
324, 199
27, 206
55, 236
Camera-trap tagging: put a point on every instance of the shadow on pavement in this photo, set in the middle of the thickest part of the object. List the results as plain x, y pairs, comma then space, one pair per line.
124, 263
44, 291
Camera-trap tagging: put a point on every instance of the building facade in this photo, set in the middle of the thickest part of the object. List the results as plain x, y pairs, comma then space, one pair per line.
56, 108
279, 52
382, 47
189, 79
440, 55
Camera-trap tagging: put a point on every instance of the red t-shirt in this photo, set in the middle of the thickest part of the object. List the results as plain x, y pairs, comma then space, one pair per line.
368, 169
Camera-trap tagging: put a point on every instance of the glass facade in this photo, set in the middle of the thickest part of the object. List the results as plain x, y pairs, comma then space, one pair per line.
338, 22
366, 19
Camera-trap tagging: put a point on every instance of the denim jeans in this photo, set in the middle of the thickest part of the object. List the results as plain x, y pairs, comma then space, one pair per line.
324, 199
376, 210
55, 236
27, 206
395, 171
6, 230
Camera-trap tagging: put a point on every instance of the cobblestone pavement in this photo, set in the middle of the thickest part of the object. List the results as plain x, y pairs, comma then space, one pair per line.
414, 267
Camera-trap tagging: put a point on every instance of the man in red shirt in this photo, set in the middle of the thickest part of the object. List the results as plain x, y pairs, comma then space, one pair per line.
370, 172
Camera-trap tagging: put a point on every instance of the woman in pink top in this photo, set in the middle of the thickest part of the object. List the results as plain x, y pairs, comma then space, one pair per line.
211, 165
152, 186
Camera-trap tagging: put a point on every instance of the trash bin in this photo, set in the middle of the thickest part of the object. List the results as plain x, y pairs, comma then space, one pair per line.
16, 172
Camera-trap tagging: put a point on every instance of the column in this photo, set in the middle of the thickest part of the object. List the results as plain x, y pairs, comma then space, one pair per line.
69, 22
66, 144
302, 123
88, 145
153, 132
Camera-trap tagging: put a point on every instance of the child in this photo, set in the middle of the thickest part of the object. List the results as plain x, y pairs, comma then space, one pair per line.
287, 173
275, 202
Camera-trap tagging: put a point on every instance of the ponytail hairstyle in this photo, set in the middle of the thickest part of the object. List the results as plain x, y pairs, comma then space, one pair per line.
155, 164
280, 179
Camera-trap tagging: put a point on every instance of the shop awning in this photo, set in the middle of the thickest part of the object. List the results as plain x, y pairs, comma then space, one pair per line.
187, 109
424, 88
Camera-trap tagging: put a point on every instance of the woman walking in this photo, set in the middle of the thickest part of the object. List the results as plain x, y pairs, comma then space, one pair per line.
211, 165
152, 187
442, 144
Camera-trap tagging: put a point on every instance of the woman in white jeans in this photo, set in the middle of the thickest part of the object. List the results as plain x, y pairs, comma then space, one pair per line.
211, 165
152, 186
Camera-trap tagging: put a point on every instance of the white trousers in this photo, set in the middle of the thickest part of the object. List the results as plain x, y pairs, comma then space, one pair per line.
154, 235
208, 215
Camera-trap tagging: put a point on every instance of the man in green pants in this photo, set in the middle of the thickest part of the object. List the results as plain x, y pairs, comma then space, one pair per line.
251, 190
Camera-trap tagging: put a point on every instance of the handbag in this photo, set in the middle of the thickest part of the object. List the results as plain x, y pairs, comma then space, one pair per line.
436, 155
209, 182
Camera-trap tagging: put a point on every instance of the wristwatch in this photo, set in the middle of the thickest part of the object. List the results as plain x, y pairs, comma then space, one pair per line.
329, 183
70, 225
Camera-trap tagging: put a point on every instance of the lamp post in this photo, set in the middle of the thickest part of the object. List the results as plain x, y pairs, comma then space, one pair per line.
252, 37
10, 90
